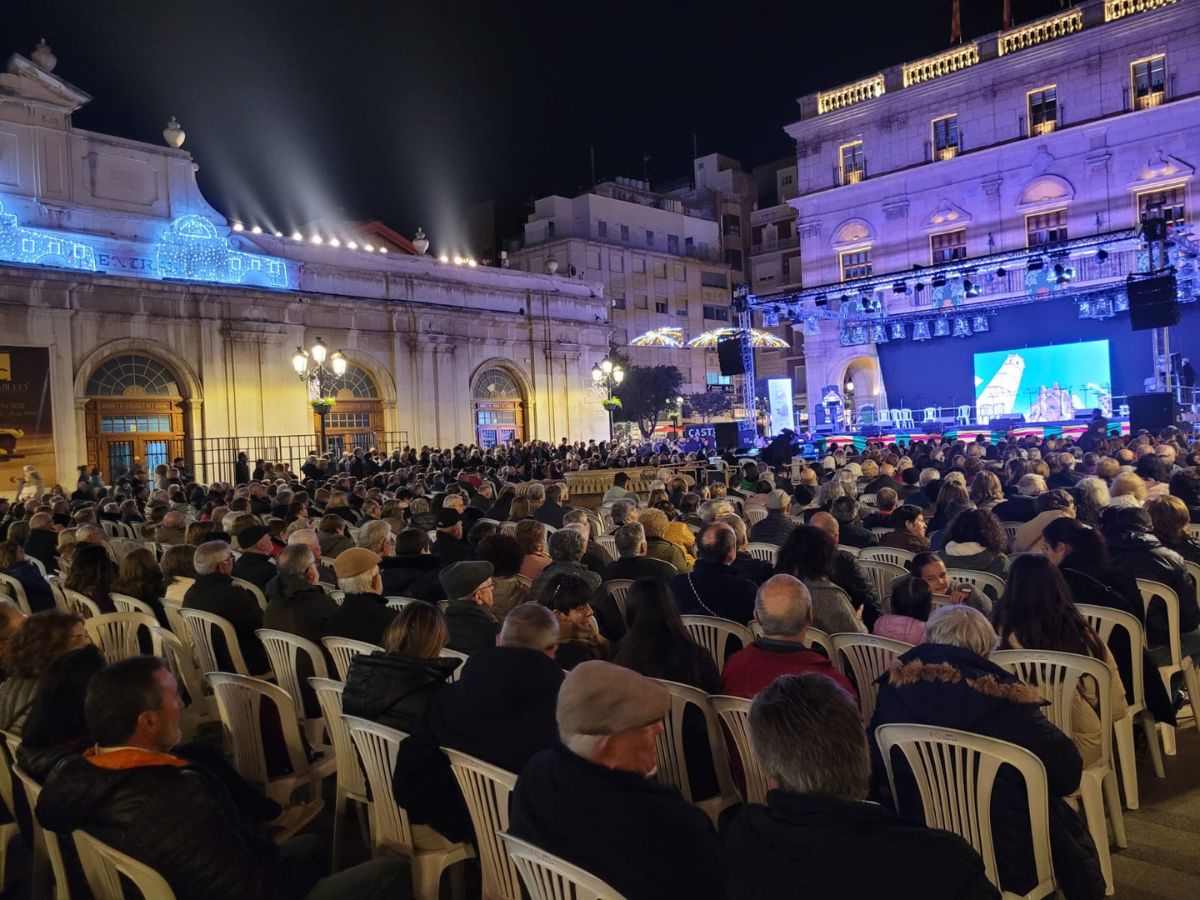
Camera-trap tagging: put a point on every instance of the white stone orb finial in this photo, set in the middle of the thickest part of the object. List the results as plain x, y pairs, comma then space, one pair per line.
173, 134
551, 265
420, 242
43, 58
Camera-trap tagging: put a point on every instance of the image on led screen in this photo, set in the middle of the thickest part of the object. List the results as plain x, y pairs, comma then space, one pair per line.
1044, 384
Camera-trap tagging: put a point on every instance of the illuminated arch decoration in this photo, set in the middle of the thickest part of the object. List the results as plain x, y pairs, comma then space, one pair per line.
762, 340
132, 374
40, 248
659, 337
191, 249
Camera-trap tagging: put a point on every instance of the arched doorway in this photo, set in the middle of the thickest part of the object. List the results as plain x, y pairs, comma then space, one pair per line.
499, 406
133, 416
862, 390
357, 417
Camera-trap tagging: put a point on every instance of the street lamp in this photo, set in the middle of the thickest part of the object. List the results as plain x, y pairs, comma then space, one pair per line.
677, 415
323, 376
608, 373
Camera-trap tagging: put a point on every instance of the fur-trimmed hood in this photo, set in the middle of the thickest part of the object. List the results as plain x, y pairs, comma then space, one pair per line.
901, 674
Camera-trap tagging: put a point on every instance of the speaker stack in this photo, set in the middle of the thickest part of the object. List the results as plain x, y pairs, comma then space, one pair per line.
1153, 302
729, 354
1152, 412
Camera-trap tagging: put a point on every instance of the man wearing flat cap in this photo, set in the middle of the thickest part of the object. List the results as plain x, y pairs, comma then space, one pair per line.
591, 799
450, 547
255, 564
470, 590
364, 614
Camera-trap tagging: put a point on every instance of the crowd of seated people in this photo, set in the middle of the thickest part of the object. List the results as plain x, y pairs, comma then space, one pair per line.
494, 561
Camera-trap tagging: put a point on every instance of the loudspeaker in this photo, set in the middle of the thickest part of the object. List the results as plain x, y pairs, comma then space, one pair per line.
729, 353
1153, 412
1152, 302
1006, 423
875, 430
727, 435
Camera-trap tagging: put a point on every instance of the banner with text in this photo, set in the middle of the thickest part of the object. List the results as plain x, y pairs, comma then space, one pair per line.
26, 418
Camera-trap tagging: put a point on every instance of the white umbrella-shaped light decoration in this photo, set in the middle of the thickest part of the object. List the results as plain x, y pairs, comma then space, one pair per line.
660, 337
759, 339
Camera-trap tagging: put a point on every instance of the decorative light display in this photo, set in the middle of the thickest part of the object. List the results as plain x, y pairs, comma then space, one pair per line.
812, 327
191, 249
962, 328
660, 337
40, 248
898, 333
979, 324
758, 339
941, 327
879, 334
921, 330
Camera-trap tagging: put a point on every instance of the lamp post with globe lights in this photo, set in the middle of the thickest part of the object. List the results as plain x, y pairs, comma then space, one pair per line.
677, 415
608, 374
310, 366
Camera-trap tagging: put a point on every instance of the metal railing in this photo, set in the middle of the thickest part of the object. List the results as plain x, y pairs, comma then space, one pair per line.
215, 459
776, 244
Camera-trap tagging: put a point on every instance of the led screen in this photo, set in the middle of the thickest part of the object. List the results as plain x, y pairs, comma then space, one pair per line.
1044, 384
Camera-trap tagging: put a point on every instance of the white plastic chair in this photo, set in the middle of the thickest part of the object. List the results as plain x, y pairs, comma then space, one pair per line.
1103, 621
447, 653
16, 590
618, 589
964, 416
763, 551
254, 589
390, 829
125, 603
103, 867
930, 414
549, 877
398, 603
239, 701
609, 543
955, 773
733, 713
815, 637
906, 419
672, 762
890, 555
882, 575
46, 848
38, 564
486, 789
10, 830
867, 656
80, 604
180, 661
846, 548
713, 633
1010, 531
1150, 590
351, 783
754, 515
116, 635
283, 649
200, 627
343, 651
991, 585
1057, 676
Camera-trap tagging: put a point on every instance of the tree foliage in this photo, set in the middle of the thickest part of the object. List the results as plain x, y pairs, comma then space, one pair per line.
708, 404
646, 393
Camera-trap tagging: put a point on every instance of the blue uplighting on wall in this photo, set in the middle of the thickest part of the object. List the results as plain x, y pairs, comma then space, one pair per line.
39, 248
191, 249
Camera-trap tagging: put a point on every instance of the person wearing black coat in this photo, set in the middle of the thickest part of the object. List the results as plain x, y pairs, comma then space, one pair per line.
216, 593
777, 525
713, 588
241, 470
392, 689
42, 544
412, 576
361, 617
501, 710
298, 606
950, 686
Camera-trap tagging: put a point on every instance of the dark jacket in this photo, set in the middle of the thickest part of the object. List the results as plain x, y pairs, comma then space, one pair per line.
881, 482
241, 473
43, 545
1016, 508
638, 836
361, 617
412, 576
217, 594
854, 535
37, 588
1141, 555
177, 818
849, 576
774, 529
713, 589
305, 612
450, 549
256, 568
635, 567
756, 570
551, 514
562, 567
902, 539
472, 626
820, 843
394, 690
501, 710
950, 687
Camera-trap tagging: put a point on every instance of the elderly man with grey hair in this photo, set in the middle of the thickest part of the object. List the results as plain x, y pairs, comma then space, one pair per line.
623, 511
711, 510
173, 528
89, 534
756, 570
949, 682
298, 605
214, 592
807, 736
566, 553
632, 562
308, 537
376, 536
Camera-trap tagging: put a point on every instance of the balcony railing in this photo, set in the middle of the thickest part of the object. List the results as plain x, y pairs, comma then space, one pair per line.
945, 152
853, 176
1149, 100
943, 64
850, 94
1041, 32
1119, 9
1039, 128
768, 246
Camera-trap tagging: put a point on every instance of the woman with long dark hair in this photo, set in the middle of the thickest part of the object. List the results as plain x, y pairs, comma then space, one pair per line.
92, 574
56, 726
810, 554
1036, 612
657, 645
975, 540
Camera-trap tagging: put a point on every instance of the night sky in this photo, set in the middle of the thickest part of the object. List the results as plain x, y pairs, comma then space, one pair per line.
414, 110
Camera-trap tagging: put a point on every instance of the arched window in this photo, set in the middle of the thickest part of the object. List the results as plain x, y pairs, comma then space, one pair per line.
360, 385
496, 384
132, 374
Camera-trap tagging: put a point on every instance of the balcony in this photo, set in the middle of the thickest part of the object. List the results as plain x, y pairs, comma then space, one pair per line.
1040, 32
853, 176
1119, 9
1150, 100
850, 94
943, 64
768, 246
942, 153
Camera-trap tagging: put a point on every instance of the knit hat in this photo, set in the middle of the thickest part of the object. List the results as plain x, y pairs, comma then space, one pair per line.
355, 561
598, 697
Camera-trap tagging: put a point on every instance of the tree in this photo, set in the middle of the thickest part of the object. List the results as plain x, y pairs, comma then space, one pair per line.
708, 404
646, 392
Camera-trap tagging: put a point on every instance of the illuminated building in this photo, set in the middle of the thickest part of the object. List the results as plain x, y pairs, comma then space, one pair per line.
170, 330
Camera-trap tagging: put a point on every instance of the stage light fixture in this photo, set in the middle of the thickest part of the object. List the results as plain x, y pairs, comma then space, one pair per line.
865, 301
1101, 255
1035, 263
900, 287
918, 287
938, 281
820, 300
238, 226
256, 230
1001, 272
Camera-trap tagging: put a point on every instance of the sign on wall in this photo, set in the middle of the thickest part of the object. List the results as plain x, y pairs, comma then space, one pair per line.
26, 416
779, 392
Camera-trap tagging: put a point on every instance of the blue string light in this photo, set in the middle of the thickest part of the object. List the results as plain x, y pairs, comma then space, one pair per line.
192, 250
39, 248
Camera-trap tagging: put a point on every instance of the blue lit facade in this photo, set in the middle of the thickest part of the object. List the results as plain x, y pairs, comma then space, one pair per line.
39, 248
191, 249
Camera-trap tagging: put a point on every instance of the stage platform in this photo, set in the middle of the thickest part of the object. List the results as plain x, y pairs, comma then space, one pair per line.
1070, 429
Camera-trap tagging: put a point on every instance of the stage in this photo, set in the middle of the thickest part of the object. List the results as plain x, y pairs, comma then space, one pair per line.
873, 434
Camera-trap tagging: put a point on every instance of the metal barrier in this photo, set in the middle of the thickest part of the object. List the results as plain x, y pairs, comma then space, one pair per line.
215, 459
